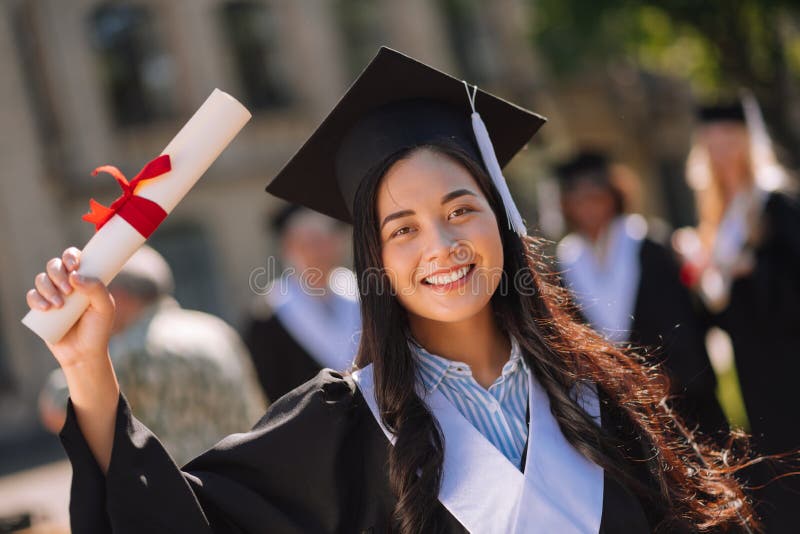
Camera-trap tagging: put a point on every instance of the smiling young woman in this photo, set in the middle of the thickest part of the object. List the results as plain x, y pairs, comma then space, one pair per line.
476, 403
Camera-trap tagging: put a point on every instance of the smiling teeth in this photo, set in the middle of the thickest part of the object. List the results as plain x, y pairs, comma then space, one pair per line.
442, 279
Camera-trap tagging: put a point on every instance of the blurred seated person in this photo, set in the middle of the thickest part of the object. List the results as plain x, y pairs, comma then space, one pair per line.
307, 318
627, 286
184, 372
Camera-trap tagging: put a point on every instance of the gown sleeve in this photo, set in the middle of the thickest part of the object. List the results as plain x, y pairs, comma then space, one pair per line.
285, 475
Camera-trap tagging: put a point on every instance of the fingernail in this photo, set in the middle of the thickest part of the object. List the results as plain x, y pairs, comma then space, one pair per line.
79, 278
56, 300
66, 288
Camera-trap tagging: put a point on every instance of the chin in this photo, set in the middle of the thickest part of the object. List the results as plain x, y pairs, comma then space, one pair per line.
451, 312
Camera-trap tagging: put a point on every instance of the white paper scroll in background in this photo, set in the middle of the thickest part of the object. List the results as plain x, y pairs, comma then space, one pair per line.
191, 153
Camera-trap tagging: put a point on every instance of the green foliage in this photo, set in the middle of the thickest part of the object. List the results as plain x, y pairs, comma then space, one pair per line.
730, 397
714, 43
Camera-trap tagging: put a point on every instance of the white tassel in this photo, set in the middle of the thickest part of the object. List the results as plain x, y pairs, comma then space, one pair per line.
769, 175
486, 148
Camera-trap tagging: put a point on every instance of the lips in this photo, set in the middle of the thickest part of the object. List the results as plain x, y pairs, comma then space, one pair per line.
449, 278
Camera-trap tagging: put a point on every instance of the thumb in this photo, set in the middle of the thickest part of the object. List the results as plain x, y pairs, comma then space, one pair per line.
99, 296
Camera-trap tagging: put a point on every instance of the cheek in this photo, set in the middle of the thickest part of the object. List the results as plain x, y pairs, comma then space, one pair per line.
399, 264
488, 245
489, 234
497, 256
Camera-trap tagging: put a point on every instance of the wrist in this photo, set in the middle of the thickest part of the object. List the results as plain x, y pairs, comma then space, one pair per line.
91, 379
85, 361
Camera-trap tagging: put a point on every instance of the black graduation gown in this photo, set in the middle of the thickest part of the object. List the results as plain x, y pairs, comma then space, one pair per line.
316, 462
763, 321
667, 326
666, 323
280, 362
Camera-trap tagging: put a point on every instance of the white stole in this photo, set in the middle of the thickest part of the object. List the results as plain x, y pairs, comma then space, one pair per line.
331, 339
606, 290
561, 491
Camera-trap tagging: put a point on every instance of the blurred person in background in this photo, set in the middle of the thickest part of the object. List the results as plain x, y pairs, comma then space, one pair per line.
743, 261
627, 286
185, 372
307, 318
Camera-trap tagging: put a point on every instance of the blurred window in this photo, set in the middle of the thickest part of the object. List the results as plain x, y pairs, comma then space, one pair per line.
188, 252
466, 34
137, 74
361, 31
251, 30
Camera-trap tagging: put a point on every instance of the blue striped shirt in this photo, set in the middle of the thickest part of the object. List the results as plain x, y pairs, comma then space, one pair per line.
499, 413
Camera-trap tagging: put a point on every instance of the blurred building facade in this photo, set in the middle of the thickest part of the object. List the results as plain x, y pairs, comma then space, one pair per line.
89, 82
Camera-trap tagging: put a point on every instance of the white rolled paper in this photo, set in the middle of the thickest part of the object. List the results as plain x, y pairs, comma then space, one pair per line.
191, 153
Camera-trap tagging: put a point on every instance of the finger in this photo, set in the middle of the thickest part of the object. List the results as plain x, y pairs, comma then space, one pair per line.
99, 297
46, 289
36, 301
71, 258
58, 275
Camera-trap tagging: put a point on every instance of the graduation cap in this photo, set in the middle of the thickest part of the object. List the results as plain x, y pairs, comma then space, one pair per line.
732, 111
586, 165
398, 103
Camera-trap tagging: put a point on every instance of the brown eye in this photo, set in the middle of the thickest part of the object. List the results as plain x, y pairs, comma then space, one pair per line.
400, 231
458, 211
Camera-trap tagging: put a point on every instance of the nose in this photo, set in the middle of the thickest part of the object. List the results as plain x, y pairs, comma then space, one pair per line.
439, 245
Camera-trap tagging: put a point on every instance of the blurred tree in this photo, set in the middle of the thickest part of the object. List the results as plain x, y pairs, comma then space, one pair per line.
467, 35
361, 28
719, 45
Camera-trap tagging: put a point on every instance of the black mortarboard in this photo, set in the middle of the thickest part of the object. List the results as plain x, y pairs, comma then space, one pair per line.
396, 103
732, 111
586, 165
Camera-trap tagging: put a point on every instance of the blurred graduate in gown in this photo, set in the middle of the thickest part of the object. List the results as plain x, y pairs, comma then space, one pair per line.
743, 261
307, 318
627, 284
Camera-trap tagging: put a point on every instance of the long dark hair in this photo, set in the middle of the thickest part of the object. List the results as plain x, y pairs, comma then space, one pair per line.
695, 482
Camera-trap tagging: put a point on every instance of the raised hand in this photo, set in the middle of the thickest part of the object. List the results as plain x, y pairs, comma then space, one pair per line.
88, 338
83, 351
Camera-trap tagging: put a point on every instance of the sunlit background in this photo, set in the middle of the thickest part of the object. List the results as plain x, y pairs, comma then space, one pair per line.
86, 83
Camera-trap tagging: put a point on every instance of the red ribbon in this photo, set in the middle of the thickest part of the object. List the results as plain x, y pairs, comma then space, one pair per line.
689, 275
141, 213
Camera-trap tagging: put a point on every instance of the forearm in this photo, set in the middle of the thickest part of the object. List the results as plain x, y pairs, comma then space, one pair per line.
94, 392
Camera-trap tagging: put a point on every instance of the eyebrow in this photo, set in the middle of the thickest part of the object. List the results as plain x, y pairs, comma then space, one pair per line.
455, 194
445, 199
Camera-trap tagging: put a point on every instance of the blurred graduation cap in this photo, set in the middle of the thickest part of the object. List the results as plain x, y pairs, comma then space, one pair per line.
592, 165
288, 215
278, 221
729, 111
397, 103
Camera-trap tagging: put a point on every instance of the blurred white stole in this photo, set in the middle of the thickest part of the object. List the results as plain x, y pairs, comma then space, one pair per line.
328, 337
560, 490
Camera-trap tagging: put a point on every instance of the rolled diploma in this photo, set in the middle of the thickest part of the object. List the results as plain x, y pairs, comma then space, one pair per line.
191, 153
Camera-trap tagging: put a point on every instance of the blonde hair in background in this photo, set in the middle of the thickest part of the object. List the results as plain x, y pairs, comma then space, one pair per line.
765, 172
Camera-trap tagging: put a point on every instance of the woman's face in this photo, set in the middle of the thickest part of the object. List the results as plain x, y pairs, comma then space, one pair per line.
441, 245
728, 146
588, 207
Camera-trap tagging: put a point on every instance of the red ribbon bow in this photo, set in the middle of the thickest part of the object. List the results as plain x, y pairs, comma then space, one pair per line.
141, 213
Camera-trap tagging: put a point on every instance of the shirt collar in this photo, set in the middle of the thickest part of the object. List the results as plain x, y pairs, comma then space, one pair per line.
432, 369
